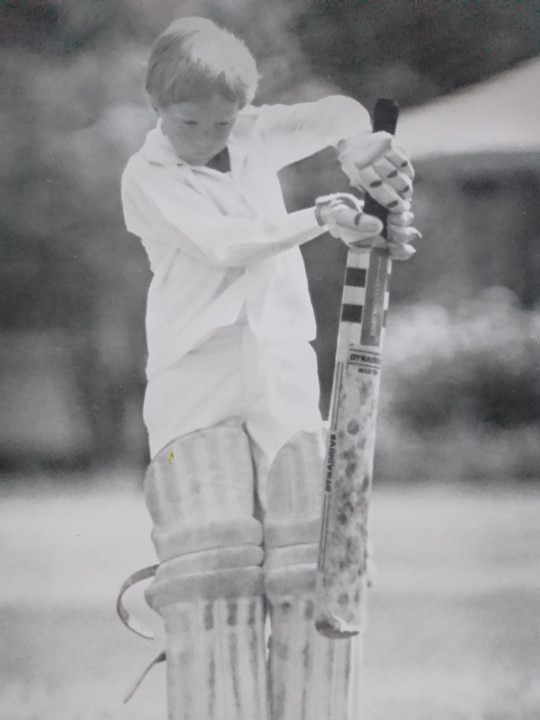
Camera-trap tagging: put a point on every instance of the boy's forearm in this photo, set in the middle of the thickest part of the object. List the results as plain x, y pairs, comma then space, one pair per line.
296, 229
341, 117
217, 239
293, 132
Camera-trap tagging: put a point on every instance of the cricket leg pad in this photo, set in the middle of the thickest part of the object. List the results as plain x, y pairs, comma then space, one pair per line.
310, 677
209, 586
216, 659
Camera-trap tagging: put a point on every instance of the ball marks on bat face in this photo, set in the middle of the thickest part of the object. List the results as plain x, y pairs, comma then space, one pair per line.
351, 462
361, 441
366, 482
347, 507
366, 392
348, 559
353, 426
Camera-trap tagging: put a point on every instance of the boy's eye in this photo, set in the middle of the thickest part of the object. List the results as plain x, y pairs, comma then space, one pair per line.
189, 123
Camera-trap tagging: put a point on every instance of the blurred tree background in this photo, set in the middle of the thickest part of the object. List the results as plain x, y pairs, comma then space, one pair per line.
73, 109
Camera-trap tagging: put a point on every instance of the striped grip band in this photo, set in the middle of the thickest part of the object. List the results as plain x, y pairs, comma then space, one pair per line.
365, 297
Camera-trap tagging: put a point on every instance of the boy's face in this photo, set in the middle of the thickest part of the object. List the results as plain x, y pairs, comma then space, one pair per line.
199, 129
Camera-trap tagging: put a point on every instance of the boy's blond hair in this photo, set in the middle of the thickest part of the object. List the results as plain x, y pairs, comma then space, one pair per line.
194, 58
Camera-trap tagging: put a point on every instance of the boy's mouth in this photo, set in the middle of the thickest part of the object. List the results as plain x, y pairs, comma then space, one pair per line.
201, 157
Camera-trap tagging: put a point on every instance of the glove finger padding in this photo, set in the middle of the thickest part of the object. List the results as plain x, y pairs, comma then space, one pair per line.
401, 219
399, 157
400, 229
398, 251
401, 234
363, 234
373, 162
343, 215
388, 174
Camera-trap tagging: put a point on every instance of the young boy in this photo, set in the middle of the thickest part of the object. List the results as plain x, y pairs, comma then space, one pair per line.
232, 402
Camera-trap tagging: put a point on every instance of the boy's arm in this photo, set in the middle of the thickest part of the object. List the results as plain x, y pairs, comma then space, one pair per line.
372, 161
293, 132
179, 216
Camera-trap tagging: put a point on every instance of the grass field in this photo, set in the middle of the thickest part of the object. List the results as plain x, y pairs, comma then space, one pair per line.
454, 620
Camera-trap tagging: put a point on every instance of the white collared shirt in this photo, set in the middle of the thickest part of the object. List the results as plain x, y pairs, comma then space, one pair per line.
222, 245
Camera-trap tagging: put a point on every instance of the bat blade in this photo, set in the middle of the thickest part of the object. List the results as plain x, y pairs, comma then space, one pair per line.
342, 565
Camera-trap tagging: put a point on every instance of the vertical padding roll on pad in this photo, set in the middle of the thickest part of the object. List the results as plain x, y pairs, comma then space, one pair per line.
292, 522
216, 666
310, 677
209, 585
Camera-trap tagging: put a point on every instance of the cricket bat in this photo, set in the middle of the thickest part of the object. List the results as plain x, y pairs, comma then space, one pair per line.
348, 469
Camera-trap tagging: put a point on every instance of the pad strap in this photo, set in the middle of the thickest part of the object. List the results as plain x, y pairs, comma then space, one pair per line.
131, 622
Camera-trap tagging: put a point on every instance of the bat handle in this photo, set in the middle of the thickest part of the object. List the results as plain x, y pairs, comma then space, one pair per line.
385, 117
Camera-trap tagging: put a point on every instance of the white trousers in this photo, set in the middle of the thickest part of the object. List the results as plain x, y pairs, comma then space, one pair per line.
270, 388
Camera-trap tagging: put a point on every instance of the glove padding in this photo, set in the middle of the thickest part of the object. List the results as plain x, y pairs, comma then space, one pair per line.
401, 233
343, 214
374, 163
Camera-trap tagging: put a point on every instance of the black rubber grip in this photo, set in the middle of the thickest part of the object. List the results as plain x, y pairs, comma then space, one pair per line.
385, 116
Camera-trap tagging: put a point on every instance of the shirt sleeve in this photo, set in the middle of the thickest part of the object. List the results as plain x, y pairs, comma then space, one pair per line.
175, 214
293, 132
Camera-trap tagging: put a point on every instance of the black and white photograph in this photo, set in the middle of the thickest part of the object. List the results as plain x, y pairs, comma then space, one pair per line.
270, 360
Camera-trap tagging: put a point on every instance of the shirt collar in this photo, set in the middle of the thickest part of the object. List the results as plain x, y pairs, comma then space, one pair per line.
158, 149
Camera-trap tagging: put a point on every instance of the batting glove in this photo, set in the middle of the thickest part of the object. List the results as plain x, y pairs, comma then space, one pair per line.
344, 217
374, 163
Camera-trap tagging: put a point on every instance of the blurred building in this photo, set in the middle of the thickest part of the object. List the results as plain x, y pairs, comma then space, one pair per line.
477, 153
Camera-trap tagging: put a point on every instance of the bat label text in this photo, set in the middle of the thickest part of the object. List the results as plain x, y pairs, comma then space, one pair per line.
367, 363
330, 457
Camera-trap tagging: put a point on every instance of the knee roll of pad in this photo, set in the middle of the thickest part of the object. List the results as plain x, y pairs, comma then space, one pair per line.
237, 573
290, 563
199, 491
